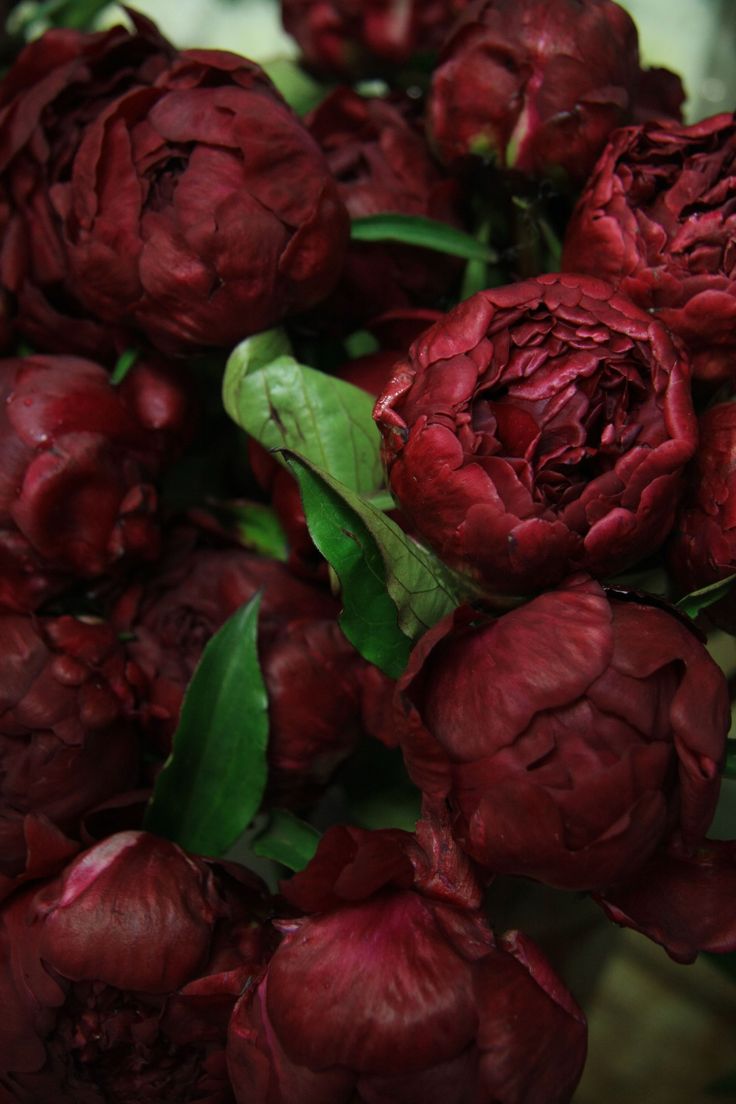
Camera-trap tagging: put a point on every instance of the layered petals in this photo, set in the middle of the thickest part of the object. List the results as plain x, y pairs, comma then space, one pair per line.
537, 428
573, 736
657, 220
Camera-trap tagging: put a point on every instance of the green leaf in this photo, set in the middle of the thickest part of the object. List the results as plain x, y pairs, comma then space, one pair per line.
699, 600
123, 365
212, 784
393, 589
256, 526
360, 343
32, 18
287, 840
424, 232
283, 404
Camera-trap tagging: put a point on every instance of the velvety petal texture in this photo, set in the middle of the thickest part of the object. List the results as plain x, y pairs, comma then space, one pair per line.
119, 976
57, 85
381, 164
538, 85
200, 209
348, 38
537, 428
572, 736
395, 991
657, 220
67, 739
78, 463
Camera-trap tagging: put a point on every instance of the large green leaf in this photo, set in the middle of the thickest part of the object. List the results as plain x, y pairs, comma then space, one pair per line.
212, 784
393, 589
287, 839
283, 404
424, 232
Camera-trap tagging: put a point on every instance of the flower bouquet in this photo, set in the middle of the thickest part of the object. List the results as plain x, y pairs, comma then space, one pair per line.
367, 511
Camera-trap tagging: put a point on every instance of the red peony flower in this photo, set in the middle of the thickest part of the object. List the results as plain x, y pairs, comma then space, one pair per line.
119, 976
199, 209
315, 679
57, 86
78, 460
537, 428
67, 693
538, 85
574, 736
657, 220
381, 164
394, 989
351, 37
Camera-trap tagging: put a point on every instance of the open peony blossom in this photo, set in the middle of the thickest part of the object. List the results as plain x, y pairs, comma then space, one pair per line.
393, 990
118, 977
657, 220
537, 428
59, 83
573, 736
538, 85
78, 462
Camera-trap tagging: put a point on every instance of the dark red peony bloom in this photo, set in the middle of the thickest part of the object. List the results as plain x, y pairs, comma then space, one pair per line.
315, 679
657, 219
573, 736
78, 458
381, 164
118, 977
57, 86
703, 546
395, 990
199, 209
540, 427
538, 85
67, 743
349, 38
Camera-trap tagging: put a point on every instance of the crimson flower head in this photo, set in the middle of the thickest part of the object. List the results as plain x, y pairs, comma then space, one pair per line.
118, 977
78, 462
58, 84
199, 209
393, 988
657, 220
67, 741
574, 736
538, 85
539, 427
348, 38
316, 682
381, 164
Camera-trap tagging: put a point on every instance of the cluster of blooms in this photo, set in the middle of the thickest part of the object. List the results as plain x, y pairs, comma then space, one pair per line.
541, 437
